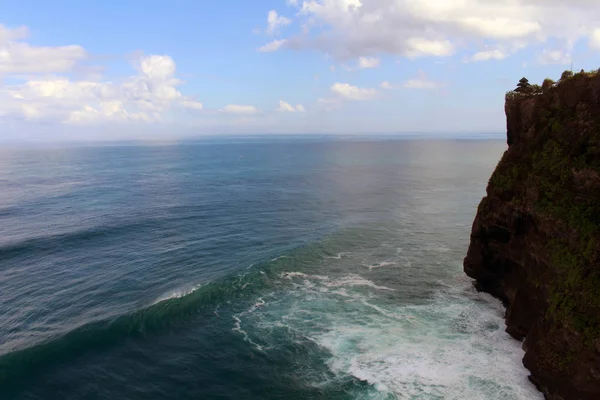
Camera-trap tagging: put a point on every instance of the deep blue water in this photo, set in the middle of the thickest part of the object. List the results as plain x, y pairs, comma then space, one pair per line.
257, 268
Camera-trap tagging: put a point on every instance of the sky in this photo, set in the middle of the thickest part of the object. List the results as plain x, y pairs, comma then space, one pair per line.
143, 69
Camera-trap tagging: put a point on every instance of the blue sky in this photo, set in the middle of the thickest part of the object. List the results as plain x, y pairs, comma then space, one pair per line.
104, 70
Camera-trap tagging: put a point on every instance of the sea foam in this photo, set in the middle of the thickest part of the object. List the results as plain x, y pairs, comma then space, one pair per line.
453, 346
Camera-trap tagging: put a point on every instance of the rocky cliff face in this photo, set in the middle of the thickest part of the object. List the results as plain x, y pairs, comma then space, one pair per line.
535, 242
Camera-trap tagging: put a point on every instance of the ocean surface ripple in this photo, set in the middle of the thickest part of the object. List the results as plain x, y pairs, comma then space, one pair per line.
309, 268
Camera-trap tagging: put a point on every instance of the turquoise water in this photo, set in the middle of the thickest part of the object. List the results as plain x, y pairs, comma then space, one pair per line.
256, 268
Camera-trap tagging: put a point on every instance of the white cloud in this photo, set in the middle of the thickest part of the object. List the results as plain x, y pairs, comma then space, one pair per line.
386, 85
17, 57
275, 21
595, 39
554, 57
368, 62
350, 92
349, 29
158, 67
421, 82
342, 92
486, 55
46, 95
142, 97
7, 34
499, 27
272, 46
195, 105
287, 107
329, 103
109, 110
419, 47
240, 109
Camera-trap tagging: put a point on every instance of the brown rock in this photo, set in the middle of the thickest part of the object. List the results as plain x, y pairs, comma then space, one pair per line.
535, 242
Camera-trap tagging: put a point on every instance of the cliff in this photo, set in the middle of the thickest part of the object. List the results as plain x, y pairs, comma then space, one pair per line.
535, 242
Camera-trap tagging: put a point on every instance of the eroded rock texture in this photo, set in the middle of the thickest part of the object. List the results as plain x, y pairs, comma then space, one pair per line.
535, 242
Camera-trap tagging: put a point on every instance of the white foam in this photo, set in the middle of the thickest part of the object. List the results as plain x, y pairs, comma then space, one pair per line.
338, 256
354, 280
349, 280
381, 265
451, 347
237, 326
177, 293
291, 275
443, 249
448, 349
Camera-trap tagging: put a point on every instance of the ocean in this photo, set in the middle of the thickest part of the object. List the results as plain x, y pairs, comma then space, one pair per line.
249, 268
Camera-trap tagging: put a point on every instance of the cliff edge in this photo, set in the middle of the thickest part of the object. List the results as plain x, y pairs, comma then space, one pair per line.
535, 242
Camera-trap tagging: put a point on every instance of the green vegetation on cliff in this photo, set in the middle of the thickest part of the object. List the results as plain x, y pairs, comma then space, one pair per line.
559, 177
525, 89
535, 241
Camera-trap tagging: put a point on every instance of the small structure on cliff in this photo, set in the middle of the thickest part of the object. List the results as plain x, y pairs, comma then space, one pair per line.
523, 86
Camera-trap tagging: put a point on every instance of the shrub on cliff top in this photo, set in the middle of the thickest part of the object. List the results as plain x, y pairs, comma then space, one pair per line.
566, 75
511, 94
536, 89
548, 83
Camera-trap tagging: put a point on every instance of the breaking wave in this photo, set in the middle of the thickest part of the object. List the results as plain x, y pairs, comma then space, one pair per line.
451, 346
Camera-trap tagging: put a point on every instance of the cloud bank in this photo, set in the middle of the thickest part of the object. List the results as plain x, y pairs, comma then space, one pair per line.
44, 95
351, 29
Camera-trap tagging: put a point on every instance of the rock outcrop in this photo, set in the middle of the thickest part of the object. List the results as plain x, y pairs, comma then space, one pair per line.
535, 242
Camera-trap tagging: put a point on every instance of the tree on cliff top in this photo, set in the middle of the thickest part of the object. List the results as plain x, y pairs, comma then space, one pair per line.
523, 86
566, 75
548, 83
